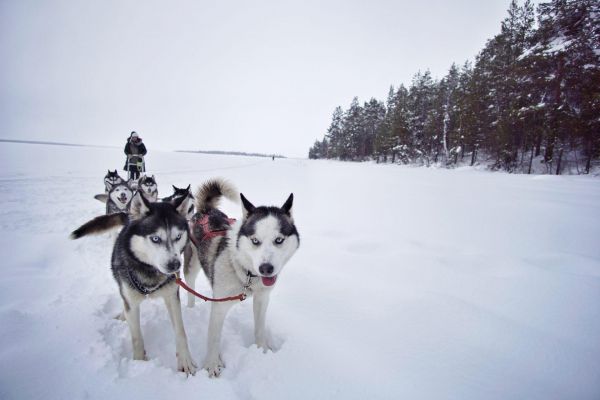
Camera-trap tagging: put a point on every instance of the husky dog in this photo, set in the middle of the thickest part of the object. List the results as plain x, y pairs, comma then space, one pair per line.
148, 187
178, 192
104, 197
133, 184
111, 179
188, 205
252, 254
187, 194
145, 257
118, 198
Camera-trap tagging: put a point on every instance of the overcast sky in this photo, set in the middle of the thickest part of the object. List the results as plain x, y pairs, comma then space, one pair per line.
219, 75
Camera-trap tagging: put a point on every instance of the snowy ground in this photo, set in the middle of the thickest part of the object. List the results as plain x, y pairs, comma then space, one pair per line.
410, 283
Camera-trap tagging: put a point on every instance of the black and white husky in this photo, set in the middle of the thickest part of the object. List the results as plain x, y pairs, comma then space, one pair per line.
187, 195
252, 253
148, 187
145, 257
110, 179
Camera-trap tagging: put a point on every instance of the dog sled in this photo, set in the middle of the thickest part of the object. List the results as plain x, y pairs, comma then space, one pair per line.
135, 162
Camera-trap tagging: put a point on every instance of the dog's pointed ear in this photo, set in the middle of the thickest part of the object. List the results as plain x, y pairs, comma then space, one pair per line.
116, 173
101, 197
247, 207
180, 205
174, 188
287, 206
108, 171
140, 206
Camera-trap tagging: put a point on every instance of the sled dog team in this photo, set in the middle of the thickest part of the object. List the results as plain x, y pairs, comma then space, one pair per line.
247, 255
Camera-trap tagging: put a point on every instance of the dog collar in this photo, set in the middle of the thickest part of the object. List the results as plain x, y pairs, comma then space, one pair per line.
250, 274
144, 290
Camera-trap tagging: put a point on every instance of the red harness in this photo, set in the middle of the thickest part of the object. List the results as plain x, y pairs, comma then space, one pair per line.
204, 225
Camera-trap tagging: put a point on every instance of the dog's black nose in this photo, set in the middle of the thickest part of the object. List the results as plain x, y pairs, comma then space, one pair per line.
174, 265
265, 269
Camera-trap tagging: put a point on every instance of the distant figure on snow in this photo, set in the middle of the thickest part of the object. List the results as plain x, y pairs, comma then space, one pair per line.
135, 151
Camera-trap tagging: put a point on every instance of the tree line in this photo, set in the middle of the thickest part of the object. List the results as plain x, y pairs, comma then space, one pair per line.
530, 101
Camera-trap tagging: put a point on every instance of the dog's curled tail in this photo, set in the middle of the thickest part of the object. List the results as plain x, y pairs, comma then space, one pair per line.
211, 191
99, 225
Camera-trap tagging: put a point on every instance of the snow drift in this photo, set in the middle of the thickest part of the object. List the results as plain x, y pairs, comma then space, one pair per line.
409, 283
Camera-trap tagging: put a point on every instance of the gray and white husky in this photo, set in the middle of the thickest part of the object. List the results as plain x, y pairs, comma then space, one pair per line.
148, 187
145, 257
110, 179
253, 253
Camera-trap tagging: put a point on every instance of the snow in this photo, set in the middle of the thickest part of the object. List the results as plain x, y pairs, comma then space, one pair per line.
557, 44
410, 283
526, 53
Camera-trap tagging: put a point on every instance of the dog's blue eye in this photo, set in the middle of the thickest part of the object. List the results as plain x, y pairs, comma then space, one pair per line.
279, 240
155, 239
178, 237
255, 241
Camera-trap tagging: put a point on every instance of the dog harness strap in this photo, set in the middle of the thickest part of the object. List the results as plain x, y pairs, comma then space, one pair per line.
203, 223
241, 297
213, 234
191, 223
205, 228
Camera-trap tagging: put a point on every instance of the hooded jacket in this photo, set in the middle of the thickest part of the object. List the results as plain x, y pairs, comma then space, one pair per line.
134, 148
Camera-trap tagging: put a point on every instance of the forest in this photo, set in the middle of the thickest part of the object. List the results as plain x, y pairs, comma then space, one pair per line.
529, 103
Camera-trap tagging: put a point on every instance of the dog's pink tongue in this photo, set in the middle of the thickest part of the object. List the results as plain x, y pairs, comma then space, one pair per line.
269, 280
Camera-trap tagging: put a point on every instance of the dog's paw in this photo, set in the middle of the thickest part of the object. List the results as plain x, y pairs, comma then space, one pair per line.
186, 364
265, 346
214, 368
140, 355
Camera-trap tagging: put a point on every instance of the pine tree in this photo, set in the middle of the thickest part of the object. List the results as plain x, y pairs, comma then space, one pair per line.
383, 138
314, 151
354, 133
421, 95
568, 48
374, 114
447, 104
400, 138
334, 134
531, 94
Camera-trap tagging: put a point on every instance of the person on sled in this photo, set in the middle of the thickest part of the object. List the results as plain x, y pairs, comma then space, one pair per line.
135, 151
